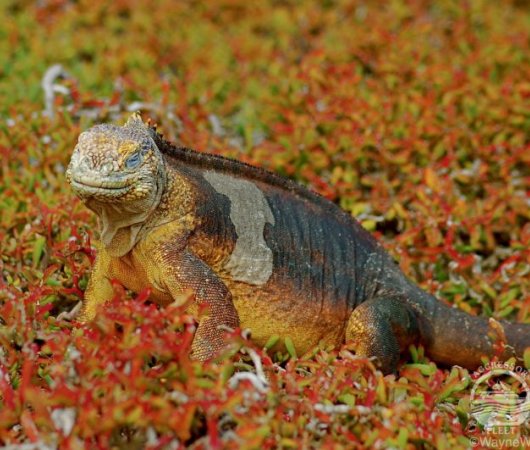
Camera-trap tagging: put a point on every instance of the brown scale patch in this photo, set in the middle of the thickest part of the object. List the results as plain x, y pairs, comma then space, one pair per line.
278, 307
279, 310
209, 249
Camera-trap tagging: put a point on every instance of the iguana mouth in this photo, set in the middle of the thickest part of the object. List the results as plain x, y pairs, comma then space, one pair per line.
91, 181
89, 185
94, 188
103, 186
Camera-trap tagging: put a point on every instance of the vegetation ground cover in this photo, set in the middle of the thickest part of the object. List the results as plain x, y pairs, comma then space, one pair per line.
411, 115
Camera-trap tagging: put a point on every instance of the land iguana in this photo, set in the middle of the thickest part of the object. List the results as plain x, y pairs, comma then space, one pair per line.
258, 251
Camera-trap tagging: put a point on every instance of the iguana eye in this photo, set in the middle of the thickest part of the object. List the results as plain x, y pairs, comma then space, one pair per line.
133, 161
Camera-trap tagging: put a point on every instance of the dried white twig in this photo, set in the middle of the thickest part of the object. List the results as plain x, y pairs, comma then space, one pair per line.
258, 379
259, 367
64, 419
217, 128
332, 409
32, 446
137, 106
50, 87
72, 314
252, 377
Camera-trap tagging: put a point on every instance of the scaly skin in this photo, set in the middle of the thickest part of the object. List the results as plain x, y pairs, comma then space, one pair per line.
256, 251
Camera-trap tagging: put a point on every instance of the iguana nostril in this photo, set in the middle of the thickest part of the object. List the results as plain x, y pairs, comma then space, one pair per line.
85, 163
107, 168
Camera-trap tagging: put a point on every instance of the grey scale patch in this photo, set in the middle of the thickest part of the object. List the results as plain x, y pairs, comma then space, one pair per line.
251, 260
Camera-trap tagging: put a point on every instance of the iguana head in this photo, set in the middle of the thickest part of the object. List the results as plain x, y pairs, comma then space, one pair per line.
119, 173
115, 164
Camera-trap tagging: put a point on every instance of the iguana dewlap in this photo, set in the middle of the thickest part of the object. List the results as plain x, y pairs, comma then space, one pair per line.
257, 251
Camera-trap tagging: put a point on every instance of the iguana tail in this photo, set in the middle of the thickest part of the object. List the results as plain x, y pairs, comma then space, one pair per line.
452, 336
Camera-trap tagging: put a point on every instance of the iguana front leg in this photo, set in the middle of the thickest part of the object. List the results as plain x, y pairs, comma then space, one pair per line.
99, 289
180, 271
